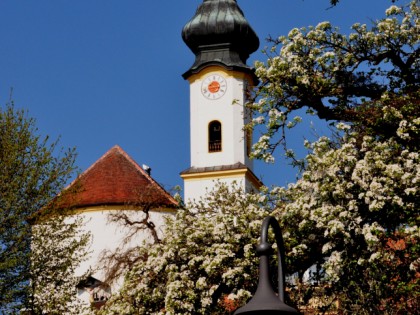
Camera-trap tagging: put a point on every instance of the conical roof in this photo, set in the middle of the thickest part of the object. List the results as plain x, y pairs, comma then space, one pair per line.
115, 179
219, 33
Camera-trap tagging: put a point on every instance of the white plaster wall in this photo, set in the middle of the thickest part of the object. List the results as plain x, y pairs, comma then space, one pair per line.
232, 118
110, 236
194, 189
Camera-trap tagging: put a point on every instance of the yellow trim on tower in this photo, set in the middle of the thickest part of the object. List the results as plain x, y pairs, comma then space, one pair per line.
221, 71
215, 175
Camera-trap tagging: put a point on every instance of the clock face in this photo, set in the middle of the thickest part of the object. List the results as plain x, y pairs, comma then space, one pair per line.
214, 87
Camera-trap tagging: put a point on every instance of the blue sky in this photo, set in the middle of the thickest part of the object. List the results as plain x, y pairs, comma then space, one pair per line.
103, 72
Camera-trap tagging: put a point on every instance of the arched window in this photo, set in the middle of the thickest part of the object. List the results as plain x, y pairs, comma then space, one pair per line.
215, 136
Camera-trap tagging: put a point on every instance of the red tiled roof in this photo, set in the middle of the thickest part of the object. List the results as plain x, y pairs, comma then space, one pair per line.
115, 179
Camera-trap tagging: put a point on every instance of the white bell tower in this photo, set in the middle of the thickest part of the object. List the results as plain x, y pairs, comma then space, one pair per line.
222, 40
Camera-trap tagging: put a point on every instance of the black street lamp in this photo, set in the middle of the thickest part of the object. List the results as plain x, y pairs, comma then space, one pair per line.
265, 300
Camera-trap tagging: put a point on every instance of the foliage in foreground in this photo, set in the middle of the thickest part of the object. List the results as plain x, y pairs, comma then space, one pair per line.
205, 264
351, 223
354, 215
336, 76
39, 280
351, 230
58, 247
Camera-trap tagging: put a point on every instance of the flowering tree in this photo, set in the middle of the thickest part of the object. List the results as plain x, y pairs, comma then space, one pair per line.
353, 218
351, 224
58, 247
333, 75
205, 263
351, 230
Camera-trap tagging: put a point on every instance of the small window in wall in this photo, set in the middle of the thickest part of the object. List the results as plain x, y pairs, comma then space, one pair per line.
215, 136
97, 291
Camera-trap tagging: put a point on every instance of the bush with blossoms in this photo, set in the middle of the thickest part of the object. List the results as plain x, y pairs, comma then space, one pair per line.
58, 248
352, 222
205, 263
350, 226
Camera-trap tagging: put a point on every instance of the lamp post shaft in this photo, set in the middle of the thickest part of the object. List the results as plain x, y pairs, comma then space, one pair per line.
271, 221
265, 300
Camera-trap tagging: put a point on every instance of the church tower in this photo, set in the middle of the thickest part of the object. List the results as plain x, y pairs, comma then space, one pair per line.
222, 40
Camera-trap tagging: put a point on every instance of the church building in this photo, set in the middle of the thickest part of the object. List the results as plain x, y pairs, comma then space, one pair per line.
114, 186
222, 41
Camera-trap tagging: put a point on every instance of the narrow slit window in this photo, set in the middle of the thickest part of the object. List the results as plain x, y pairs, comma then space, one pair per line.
215, 136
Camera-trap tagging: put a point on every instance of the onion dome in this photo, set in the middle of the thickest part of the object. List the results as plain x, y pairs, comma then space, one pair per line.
219, 34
